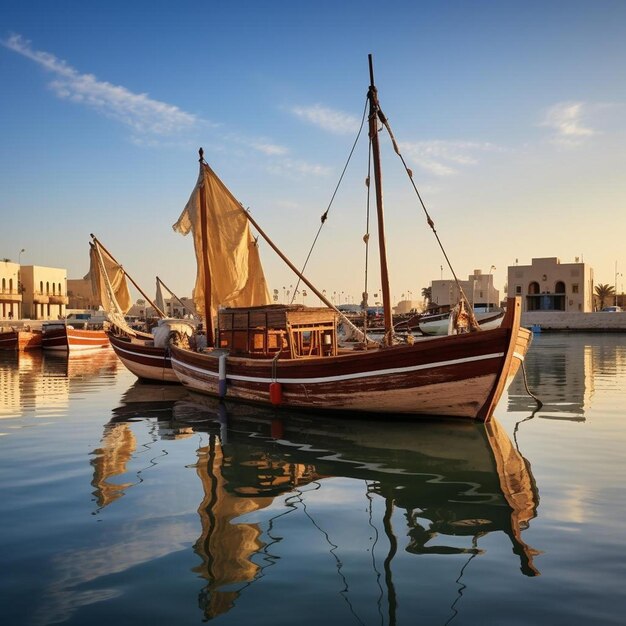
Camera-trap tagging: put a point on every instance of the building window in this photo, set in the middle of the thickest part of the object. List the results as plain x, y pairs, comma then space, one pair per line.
518, 289
575, 288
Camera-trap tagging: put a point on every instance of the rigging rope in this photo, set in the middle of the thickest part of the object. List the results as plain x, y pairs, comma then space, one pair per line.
430, 221
325, 214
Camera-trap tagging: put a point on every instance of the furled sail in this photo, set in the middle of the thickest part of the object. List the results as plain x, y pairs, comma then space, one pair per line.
232, 254
158, 299
108, 281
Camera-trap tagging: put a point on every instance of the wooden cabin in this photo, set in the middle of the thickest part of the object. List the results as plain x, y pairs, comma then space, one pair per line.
289, 331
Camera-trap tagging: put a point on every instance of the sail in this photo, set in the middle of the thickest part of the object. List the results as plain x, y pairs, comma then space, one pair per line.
108, 281
236, 273
158, 299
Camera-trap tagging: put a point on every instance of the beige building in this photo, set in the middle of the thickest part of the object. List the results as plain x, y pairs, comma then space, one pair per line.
549, 285
478, 289
80, 294
173, 308
10, 292
44, 292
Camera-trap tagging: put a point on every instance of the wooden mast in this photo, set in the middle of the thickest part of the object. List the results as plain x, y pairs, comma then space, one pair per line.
152, 304
208, 322
374, 114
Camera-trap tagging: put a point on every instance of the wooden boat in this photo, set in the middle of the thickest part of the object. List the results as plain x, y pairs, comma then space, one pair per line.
73, 335
146, 355
289, 356
145, 359
20, 339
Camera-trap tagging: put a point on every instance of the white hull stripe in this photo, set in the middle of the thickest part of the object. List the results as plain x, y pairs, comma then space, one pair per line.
331, 379
158, 357
519, 356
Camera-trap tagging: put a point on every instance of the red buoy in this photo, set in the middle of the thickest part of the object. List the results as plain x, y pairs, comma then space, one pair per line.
276, 393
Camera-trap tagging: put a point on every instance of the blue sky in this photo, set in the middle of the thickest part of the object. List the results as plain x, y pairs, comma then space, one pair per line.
511, 116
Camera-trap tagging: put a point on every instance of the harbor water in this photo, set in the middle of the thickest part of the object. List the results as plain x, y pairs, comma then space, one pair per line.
130, 503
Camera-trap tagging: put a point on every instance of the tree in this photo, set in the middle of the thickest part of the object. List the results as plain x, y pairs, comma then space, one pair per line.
604, 292
427, 294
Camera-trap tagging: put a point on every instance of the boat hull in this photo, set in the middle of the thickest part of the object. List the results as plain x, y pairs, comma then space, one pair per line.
63, 338
20, 340
143, 359
439, 325
460, 376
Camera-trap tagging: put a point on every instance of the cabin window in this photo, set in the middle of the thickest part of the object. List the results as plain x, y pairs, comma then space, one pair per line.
518, 290
575, 288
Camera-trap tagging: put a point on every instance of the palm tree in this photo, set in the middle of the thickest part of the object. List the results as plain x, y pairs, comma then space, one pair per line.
603, 292
427, 294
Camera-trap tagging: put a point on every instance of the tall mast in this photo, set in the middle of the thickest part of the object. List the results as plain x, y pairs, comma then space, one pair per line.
374, 114
208, 321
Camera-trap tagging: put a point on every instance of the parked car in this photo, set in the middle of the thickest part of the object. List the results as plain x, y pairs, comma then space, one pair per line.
612, 309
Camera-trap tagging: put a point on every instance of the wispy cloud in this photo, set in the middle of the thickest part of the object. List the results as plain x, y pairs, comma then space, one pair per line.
156, 123
333, 121
566, 120
270, 149
440, 157
138, 111
299, 168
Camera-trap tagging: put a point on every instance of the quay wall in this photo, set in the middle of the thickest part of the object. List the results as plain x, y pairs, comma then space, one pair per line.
602, 322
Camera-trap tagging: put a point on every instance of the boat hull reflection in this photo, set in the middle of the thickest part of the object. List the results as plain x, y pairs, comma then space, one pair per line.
465, 478
446, 480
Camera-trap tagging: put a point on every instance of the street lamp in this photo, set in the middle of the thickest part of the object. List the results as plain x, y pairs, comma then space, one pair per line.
493, 267
19, 256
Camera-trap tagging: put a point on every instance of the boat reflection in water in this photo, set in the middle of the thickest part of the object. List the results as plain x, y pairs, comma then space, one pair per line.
450, 483
36, 382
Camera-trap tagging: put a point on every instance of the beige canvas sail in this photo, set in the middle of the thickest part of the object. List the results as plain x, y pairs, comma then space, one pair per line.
108, 282
236, 273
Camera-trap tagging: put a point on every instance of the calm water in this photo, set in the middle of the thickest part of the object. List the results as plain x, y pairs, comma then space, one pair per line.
124, 503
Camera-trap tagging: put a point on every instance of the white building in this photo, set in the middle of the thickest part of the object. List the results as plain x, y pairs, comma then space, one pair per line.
478, 289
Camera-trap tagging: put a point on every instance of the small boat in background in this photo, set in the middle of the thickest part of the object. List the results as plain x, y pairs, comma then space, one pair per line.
80, 332
144, 354
439, 324
20, 339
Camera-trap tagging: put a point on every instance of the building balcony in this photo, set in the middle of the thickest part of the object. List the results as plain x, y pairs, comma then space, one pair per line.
58, 299
10, 296
41, 298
